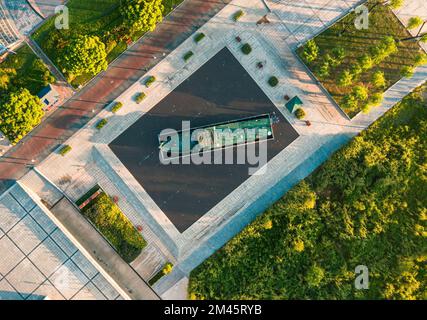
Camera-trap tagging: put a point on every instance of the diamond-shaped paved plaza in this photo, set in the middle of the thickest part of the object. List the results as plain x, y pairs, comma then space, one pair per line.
221, 90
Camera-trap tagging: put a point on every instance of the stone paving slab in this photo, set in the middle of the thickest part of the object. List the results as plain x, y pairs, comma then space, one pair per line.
33, 249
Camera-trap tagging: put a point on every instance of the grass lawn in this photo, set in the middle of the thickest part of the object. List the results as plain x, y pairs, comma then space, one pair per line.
115, 227
382, 22
94, 17
31, 72
367, 205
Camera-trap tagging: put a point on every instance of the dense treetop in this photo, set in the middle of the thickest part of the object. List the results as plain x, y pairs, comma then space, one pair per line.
367, 205
20, 111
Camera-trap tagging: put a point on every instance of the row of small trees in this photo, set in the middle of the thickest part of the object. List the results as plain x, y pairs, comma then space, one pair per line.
366, 62
359, 98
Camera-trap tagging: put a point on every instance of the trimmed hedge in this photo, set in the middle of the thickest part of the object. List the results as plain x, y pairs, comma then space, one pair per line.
246, 48
273, 81
150, 81
117, 106
101, 124
238, 15
167, 268
107, 217
64, 150
188, 55
140, 97
199, 37
87, 195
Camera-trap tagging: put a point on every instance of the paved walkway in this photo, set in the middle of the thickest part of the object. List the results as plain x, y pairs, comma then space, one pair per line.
46, 8
38, 261
106, 87
306, 18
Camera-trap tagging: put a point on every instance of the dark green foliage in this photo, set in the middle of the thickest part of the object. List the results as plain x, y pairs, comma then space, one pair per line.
246, 48
188, 55
117, 106
407, 71
150, 81
366, 205
141, 16
87, 195
101, 18
140, 97
239, 14
101, 124
64, 150
24, 70
310, 51
273, 81
20, 112
115, 227
199, 37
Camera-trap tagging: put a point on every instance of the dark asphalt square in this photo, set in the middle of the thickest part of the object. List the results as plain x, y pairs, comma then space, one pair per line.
220, 91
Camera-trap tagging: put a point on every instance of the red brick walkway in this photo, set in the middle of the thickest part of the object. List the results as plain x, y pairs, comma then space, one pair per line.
96, 95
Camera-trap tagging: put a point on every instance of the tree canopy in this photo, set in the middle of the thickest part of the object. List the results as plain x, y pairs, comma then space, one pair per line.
142, 15
20, 112
84, 54
364, 206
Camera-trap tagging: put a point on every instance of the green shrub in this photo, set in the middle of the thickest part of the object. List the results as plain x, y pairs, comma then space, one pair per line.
310, 52
273, 81
324, 70
167, 268
345, 79
338, 54
376, 99
150, 81
378, 79
115, 227
395, 4
366, 62
360, 93
315, 276
64, 150
420, 59
199, 37
300, 113
246, 48
407, 71
356, 71
188, 55
140, 97
414, 22
101, 124
117, 106
238, 15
